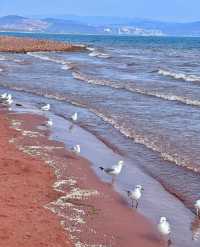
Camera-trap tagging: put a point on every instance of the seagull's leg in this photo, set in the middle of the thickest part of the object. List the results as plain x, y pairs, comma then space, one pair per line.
113, 179
71, 127
132, 203
169, 242
136, 204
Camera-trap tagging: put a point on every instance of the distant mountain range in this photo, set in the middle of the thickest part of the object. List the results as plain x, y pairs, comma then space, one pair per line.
98, 25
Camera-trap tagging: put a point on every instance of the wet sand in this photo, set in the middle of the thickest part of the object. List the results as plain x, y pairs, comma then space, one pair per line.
24, 45
94, 214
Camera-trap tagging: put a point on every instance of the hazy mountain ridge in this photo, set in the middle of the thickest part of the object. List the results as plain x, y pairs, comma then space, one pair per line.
98, 25
19, 23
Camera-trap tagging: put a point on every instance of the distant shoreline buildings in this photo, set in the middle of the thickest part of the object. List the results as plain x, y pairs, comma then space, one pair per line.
135, 31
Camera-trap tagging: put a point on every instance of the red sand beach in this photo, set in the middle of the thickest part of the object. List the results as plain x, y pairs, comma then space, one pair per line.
25, 187
26, 190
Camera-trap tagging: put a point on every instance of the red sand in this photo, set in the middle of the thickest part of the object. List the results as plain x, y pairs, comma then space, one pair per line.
26, 187
23, 45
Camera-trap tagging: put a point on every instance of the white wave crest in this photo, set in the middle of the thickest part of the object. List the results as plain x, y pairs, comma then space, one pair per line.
96, 53
131, 88
179, 76
90, 48
99, 54
65, 64
95, 81
66, 67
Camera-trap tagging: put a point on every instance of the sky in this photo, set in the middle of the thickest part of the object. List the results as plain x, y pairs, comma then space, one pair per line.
167, 10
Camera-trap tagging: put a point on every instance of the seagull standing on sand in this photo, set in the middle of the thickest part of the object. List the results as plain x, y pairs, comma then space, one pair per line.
74, 117
135, 194
76, 149
197, 207
46, 107
114, 170
164, 228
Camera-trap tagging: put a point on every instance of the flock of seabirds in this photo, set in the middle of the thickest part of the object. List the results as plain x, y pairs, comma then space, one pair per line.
163, 226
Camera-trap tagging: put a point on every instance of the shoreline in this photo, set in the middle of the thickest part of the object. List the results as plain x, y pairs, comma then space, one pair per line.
89, 217
23, 45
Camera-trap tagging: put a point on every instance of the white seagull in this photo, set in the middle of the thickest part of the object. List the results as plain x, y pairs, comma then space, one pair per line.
49, 123
197, 207
135, 194
8, 99
76, 149
74, 117
114, 170
46, 107
164, 228
4, 96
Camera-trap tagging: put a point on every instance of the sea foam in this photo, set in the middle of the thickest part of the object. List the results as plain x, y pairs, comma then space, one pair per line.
179, 76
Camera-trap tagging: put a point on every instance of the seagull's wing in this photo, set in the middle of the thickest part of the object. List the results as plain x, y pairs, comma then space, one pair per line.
168, 227
109, 170
114, 167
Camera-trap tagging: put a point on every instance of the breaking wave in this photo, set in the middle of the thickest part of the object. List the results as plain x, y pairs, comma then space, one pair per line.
90, 48
65, 65
179, 76
144, 140
131, 88
99, 54
95, 53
